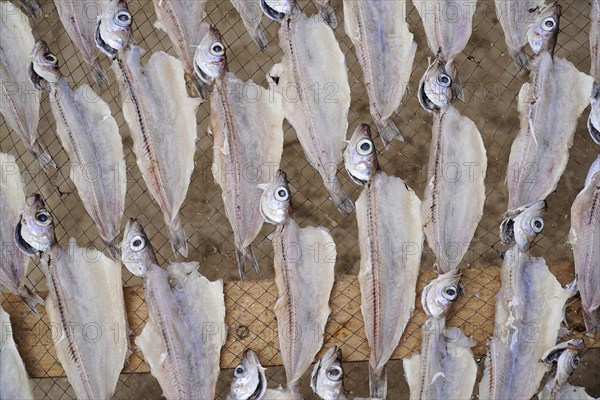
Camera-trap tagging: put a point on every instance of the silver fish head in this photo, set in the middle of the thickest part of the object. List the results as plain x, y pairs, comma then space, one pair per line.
327, 377
210, 59
436, 88
544, 28
523, 224
137, 253
566, 356
276, 200
277, 9
44, 65
113, 31
249, 380
34, 232
594, 118
440, 294
360, 157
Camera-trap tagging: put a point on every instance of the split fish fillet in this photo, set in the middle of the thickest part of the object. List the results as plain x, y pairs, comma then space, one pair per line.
455, 194
248, 143
14, 382
162, 121
251, 14
549, 105
385, 50
85, 301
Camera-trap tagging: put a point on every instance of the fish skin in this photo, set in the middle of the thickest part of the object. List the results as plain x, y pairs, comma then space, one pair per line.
540, 152
327, 377
251, 14
181, 21
529, 310
79, 20
385, 50
166, 164
14, 382
320, 125
19, 100
249, 380
85, 290
456, 200
594, 118
90, 136
585, 239
248, 136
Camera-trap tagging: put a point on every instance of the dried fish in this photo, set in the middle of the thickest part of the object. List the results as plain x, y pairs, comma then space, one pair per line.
160, 115
594, 118
14, 264
445, 369
32, 8
90, 136
387, 208
455, 194
585, 239
14, 382
386, 50
34, 233
249, 380
251, 13
327, 12
19, 101
304, 274
544, 28
181, 20
522, 225
246, 123
85, 301
316, 95
549, 105
327, 377
79, 18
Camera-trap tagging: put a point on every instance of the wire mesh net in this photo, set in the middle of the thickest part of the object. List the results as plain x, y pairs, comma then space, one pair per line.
491, 85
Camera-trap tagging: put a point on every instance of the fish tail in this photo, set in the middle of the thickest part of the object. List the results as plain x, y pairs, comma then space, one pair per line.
388, 132
592, 322
200, 87
241, 256
328, 14
377, 383
114, 250
42, 156
259, 38
32, 8
520, 59
178, 238
241, 263
340, 198
99, 76
32, 299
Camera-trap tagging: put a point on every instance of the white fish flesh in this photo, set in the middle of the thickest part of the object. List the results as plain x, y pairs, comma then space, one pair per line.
14, 382
162, 121
248, 143
585, 239
14, 264
385, 50
182, 20
549, 105
313, 80
455, 194
19, 101
529, 310
251, 14
85, 301
594, 118
90, 136
79, 18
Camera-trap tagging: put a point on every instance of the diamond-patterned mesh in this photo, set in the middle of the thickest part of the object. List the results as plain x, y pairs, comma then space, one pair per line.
491, 86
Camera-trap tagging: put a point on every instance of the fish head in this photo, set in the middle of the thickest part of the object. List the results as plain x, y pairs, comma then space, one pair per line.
327, 377
360, 157
44, 65
277, 9
137, 253
523, 224
210, 58
441, 293
436, 88
34, 232
113, 31
249, 380
566, 356
594, 118
276, 200
544, 28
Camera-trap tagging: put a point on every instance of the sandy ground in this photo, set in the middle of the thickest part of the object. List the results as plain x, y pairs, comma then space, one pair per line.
491, 84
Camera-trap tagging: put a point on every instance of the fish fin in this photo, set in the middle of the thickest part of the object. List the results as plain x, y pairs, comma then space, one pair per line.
520, 59
32, 299
100, 76
253, 260
342, 201
457, 88
377, 383
114, 250
178, 238
592, 322
263, 186
328, 14
388, 132
259, 38
240, 261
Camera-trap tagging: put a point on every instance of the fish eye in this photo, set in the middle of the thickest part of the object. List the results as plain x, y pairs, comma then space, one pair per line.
239, 371
548, 24
51, 58
137, 243
282, 193
123, 18
217, 49
43, 218
450, 293
444, 80
335, 373
537, 224
365, 147
575, 362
